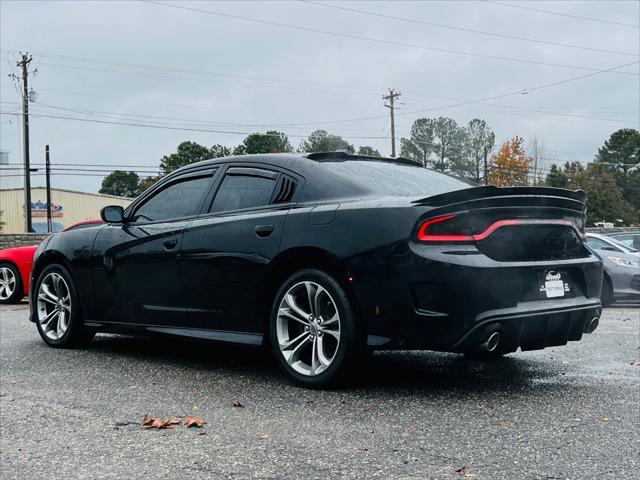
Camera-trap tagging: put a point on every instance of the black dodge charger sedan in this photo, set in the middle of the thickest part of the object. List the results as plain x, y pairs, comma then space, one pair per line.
324, 257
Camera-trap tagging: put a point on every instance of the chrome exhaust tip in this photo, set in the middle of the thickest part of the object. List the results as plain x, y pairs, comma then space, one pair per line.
492, 342
593, 324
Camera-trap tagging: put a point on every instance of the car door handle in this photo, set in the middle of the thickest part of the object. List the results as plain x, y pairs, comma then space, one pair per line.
264, 230
170, 244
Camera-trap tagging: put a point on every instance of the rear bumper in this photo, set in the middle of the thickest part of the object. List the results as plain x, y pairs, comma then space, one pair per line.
439, 299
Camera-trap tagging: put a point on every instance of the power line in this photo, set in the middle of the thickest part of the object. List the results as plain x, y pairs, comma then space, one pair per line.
468, 30
168, 127
382, 41
560, 14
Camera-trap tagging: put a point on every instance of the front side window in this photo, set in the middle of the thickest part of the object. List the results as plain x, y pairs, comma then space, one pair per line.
180, 199
243, 191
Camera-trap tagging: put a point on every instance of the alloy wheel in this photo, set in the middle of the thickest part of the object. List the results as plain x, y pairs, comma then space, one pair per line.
7, 283
308, 328
54, 306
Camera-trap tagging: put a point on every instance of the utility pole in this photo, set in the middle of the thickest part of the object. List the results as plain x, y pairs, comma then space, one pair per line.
391, 98
48, 183
486, 167
24, 64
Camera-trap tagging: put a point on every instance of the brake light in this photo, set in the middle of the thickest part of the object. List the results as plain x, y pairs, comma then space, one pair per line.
427, 233
431, 230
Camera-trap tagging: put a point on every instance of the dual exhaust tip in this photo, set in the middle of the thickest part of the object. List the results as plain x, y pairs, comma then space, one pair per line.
492, 342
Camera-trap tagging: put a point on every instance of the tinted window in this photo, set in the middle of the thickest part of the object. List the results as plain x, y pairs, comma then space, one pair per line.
393, 179
242, 191
178, 200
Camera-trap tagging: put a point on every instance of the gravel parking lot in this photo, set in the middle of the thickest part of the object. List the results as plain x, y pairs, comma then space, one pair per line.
566, 412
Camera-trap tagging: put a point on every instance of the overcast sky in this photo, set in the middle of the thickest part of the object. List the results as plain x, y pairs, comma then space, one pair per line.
138, 62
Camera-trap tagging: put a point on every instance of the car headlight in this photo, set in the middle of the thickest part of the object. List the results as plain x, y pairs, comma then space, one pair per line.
625, 262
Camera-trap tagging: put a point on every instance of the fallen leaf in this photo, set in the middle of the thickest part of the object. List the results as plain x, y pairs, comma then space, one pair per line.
264, 436
635, 363
152, 422
500, 423
381, 414
470, 475
413, 425
202, 433
604, 418
460, 469
190, 421
237, 404
195, 407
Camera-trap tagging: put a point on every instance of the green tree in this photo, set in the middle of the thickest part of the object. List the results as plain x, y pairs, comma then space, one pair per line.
121, 184
191, 152
270, 142
367, 151
322, 141
605, 199
145, 183
420, 145
480, 140
556, 177
449, 146
620, 155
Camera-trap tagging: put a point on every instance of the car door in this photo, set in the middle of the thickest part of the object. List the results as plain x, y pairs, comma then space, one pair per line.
227, 250
138, 281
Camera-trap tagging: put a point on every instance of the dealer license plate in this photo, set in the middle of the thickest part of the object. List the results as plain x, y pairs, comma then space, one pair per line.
552, 285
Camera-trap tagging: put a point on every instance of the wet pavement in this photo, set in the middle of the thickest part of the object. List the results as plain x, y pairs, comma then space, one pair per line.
561, 413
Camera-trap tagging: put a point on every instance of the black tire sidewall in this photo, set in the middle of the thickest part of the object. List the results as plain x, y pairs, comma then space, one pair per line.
606, 298
74, 334
18, 293
349, 345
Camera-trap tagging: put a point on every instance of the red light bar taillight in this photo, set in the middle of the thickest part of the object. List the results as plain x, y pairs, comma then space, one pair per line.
428, 231
424, 235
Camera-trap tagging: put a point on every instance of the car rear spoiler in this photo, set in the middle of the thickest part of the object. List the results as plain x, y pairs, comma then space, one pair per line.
491, 191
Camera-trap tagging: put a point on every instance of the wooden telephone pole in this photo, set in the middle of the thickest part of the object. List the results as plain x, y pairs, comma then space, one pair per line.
23, 63
391, 98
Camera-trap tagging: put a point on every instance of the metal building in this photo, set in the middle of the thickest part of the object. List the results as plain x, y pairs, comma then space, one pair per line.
67, 208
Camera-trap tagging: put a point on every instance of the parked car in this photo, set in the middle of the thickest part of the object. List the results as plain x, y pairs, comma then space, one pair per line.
15, 268
323, 257
630, 239
621, 268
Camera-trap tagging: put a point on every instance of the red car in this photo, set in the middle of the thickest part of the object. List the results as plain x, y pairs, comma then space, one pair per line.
15, 267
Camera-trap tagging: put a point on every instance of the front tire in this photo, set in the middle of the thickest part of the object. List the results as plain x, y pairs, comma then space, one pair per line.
314, 332
57, 309
11, 288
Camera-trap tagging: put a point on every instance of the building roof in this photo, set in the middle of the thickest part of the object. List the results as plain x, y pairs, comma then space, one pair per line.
69, 191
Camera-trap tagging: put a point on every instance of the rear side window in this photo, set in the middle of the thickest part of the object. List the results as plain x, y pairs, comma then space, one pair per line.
626, 240
597, 244
239, 191
180, 199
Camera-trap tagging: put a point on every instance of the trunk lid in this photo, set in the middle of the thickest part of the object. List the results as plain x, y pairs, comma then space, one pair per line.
509, 224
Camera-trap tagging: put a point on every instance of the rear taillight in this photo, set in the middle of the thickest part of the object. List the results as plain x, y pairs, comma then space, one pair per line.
452, 229
442, 229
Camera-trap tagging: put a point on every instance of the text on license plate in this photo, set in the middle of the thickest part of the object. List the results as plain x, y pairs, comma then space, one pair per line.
553, 285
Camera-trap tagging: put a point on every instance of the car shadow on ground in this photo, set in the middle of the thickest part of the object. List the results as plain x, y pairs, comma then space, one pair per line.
406, 371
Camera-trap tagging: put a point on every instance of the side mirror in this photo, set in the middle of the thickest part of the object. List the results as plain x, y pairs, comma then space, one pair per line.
112, 214
609, 248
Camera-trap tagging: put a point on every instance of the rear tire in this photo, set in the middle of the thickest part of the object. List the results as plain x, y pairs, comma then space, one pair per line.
314, 332
606, 297
57, 309
11, 288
